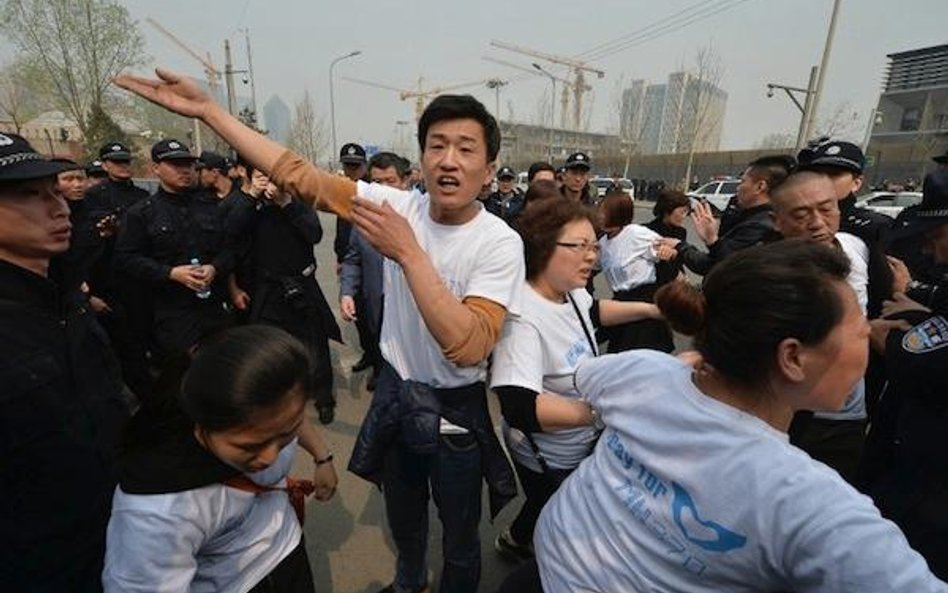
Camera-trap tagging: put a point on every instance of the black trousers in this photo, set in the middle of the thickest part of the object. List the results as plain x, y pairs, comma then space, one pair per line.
301, 320
291, 575
526, 579
537, 488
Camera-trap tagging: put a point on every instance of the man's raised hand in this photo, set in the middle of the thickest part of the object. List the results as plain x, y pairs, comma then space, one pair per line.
170, 90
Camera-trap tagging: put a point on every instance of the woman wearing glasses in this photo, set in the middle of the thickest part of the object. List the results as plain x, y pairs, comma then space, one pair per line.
547, 429
694, 485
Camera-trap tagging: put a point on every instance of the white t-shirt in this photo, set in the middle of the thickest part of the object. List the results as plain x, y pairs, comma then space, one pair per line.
482, 257
628, 259
209, 539
539, 350
685, 493
858, 278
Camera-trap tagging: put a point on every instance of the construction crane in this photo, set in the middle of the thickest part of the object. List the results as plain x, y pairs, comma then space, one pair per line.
420, 94
578, 69
212, 73
564, 95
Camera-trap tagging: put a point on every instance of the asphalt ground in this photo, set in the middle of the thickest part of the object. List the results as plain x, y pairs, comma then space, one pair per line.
347, 539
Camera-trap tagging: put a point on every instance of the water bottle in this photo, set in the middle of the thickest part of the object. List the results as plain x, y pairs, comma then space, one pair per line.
204, 293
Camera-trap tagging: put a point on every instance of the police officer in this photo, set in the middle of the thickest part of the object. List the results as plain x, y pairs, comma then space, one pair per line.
95, 174
576, 178
906, 462
845, 162
126, 314
61, 405
508, 201
355, 165
174, 242
281, 232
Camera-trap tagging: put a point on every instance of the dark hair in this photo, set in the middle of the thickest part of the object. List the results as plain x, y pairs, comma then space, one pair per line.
772, 170
540, 226
668, 200
616, 210
537, 167
451, 107
542, 190
240, 371
384, 160
755, 299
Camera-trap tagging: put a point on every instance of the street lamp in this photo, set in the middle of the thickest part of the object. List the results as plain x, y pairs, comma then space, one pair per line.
552, 105
332, 100
805, 109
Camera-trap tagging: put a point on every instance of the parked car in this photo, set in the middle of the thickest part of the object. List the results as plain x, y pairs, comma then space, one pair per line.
602, 185
889, 203
717, 193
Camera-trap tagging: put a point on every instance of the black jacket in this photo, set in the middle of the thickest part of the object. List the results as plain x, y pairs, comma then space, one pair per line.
167, 230
61, 411
507, 208
751, 227
871, 227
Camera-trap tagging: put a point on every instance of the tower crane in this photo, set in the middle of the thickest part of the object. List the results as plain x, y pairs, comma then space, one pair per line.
577, 68
210, 71
564, 95
420, 94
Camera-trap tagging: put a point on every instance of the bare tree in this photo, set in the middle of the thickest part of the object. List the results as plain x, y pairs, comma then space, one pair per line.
842, 122
77, 45
308, 135
541, 112
702, 106
19, 94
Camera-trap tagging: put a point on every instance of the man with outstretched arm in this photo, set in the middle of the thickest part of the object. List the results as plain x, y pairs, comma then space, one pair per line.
454, 273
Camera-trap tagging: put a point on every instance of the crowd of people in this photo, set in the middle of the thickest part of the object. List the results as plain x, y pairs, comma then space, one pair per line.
159, 351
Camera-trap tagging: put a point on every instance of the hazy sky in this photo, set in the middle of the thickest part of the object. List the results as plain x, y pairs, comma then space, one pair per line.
759, 41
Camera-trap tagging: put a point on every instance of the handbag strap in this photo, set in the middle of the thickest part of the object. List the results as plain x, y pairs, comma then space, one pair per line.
589, 337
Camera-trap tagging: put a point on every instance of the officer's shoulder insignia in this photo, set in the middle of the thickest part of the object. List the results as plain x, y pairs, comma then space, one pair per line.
927, 336
5, 140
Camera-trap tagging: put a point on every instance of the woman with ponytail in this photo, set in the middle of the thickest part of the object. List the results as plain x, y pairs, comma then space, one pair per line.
693, 485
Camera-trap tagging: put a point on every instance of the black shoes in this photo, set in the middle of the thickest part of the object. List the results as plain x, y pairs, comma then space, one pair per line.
363, 364
327, 414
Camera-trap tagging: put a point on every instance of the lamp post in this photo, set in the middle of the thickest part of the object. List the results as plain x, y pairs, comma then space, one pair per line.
552, 106
805, 109
824, 63
332, 100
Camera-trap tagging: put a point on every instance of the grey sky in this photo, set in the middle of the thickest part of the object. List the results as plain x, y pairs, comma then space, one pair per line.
759, 41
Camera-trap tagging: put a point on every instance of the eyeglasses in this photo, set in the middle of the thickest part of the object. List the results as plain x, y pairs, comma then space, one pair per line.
577, 246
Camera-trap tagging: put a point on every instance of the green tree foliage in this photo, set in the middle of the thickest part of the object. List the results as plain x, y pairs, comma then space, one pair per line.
77, 46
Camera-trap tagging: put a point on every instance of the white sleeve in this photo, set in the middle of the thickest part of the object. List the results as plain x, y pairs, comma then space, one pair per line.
378, 193
151, 552
499, 275
839, 542
518, 357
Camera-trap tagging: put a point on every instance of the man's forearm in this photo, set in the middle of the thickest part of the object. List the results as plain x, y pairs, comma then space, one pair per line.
256, 148
445, 316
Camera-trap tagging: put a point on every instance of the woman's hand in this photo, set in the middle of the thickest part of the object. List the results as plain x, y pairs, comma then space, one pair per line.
900, 304
325, 480
170, 90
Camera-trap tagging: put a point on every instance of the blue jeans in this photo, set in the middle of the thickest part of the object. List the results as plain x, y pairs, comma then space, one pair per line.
453, 475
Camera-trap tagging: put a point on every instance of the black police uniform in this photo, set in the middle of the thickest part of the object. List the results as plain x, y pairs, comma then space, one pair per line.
168, 230
282, 280
61, 412
129, 322
906, 461
869, 226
